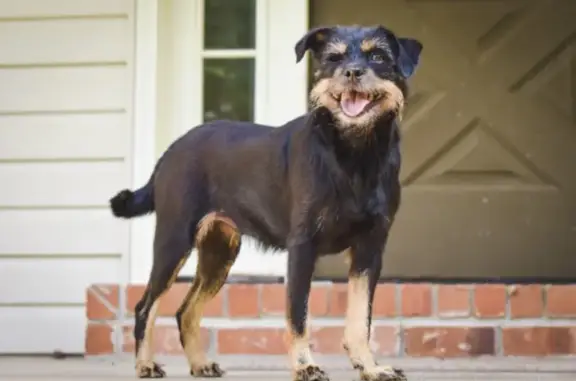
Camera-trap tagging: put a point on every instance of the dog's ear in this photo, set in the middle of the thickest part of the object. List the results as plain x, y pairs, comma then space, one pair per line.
314, 40
409, 50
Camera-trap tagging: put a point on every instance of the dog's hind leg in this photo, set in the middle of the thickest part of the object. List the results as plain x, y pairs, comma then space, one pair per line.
172, 246
365, 269
218, 243
301, 263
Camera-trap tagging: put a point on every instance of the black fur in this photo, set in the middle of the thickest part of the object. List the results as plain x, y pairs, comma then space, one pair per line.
304, 186
128, 204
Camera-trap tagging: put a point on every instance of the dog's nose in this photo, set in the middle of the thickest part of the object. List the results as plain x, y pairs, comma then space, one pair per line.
354, 73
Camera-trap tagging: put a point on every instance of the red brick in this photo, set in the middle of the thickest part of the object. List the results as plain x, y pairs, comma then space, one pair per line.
449, 341
539, 341
454, 301
102, 302
243, 300
526, 301
251, 341
384, 304
561, 301
166, 339
318, 300
338, 300
490, 301
98, 339
172, 299
274, 299
385, 340
133, 295
416, 299
327, 340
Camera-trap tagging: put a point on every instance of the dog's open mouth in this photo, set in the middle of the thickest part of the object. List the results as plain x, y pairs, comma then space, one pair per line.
354, 103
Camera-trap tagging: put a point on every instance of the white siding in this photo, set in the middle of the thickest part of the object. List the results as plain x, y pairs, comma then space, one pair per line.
66, 75
46, 231
64, 89
64, 278
39, 329
47, 130
74, 41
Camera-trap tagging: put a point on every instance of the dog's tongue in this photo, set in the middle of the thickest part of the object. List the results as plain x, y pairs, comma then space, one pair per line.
353, 103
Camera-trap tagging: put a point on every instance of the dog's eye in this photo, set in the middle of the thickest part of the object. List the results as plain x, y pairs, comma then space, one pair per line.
335, 57
377, 57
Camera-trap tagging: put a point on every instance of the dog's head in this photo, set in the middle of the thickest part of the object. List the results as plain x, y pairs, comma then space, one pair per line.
360, 72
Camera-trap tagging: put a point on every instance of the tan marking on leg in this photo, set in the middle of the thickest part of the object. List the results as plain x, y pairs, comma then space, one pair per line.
299, 348
302, 363
356, 332
145, 356
225, 224
191, 318
211, 273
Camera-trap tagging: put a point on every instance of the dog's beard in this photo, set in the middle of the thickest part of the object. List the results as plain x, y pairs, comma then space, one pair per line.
359, 106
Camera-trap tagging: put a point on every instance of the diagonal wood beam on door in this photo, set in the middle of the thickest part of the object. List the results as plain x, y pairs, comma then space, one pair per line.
521, 120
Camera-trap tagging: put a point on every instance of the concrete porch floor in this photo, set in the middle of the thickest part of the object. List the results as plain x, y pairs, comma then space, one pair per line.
273, 368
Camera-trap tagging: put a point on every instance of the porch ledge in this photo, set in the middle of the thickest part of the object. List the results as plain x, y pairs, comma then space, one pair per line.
410, 320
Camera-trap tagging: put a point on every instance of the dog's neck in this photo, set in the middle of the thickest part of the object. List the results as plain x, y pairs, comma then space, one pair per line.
364, 140
359, 151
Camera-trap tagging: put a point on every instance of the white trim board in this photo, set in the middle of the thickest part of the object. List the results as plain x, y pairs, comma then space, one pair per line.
143, 154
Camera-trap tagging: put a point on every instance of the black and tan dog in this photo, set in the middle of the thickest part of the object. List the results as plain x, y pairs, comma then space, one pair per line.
323, 183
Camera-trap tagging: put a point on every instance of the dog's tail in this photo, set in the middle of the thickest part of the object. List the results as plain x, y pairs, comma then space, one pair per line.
128, 204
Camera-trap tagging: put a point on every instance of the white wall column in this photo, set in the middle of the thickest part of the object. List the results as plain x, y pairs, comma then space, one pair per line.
143, 157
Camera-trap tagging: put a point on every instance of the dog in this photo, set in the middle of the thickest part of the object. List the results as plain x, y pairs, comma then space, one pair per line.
323, 183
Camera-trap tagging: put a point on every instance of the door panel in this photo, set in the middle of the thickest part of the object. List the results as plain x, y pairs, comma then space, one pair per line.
489, 139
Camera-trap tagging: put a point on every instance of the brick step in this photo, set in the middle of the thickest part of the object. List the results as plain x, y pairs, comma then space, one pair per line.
410, 320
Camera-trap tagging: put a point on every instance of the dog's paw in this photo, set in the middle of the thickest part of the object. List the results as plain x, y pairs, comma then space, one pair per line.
210, 370
310, 373
152, 370
383, 373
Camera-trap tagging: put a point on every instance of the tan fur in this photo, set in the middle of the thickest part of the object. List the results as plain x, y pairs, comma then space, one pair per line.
145, 355
336, 47
191, 318
211, 275
371, 44
207, 223
320, 36
356, 331
326, 91
299, 349
368, 45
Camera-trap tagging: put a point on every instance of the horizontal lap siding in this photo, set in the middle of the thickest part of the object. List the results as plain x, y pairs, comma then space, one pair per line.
66, 288
66, 69
47, 231
38, 329
69, 184
88, 136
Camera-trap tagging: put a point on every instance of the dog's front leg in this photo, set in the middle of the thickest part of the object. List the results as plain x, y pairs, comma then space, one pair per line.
301, 262
365, 268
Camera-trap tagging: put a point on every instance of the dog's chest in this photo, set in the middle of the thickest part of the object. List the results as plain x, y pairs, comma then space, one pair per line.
352, 213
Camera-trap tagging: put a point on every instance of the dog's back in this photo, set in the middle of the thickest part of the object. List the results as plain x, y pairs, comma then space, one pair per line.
221, 165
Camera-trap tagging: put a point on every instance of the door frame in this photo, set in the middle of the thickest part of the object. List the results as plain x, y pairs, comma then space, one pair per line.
281, 95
